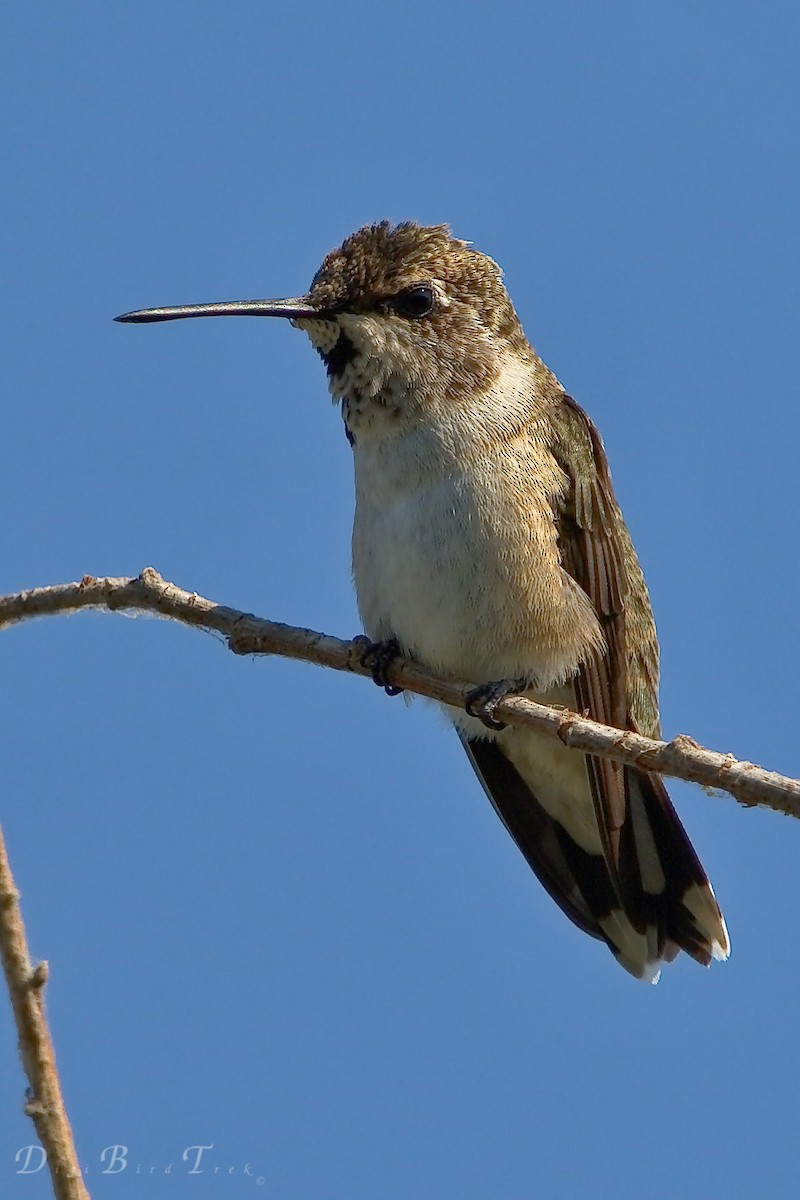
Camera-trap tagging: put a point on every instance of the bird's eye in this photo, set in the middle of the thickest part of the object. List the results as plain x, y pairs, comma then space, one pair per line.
416, 301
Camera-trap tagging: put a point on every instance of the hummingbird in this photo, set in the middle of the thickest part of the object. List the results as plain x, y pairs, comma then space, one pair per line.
488, 545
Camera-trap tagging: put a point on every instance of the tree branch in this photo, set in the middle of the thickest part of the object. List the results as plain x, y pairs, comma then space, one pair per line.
681, 758
45, 1104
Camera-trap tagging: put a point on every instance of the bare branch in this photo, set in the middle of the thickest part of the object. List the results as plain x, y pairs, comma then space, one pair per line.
681, 758
45, 1104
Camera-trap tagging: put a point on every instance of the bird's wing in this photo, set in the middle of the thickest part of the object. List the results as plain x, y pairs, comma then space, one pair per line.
592, 553
657, 875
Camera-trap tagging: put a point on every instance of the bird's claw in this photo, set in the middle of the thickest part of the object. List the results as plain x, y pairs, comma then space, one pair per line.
483, 700
377, 657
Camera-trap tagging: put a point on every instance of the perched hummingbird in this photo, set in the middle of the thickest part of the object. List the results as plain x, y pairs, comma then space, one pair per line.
488, 545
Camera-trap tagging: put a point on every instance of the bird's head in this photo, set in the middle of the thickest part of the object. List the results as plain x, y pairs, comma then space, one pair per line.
401, 315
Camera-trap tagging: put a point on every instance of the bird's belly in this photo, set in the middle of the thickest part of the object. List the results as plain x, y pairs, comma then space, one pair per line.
462, 593
411, 564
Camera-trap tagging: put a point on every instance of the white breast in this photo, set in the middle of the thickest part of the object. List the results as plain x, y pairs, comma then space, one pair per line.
448, 559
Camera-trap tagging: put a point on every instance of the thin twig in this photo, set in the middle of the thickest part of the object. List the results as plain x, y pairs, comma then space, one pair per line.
45, 1104
681, 758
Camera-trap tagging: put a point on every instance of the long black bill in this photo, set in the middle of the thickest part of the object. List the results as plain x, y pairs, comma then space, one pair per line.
296, 307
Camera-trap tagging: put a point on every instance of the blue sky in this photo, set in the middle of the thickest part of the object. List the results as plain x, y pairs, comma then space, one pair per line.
280, 915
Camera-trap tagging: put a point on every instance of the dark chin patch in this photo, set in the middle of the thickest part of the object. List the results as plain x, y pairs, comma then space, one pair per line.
339, 358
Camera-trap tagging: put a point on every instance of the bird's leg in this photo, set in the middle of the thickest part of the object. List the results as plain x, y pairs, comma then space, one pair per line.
377, 657
483, 700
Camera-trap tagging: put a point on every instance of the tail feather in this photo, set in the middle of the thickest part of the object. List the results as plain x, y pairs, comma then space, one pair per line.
655, 901
693, 917
535, 832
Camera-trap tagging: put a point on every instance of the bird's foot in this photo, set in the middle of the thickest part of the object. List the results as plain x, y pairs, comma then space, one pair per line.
482, 701
377, 657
